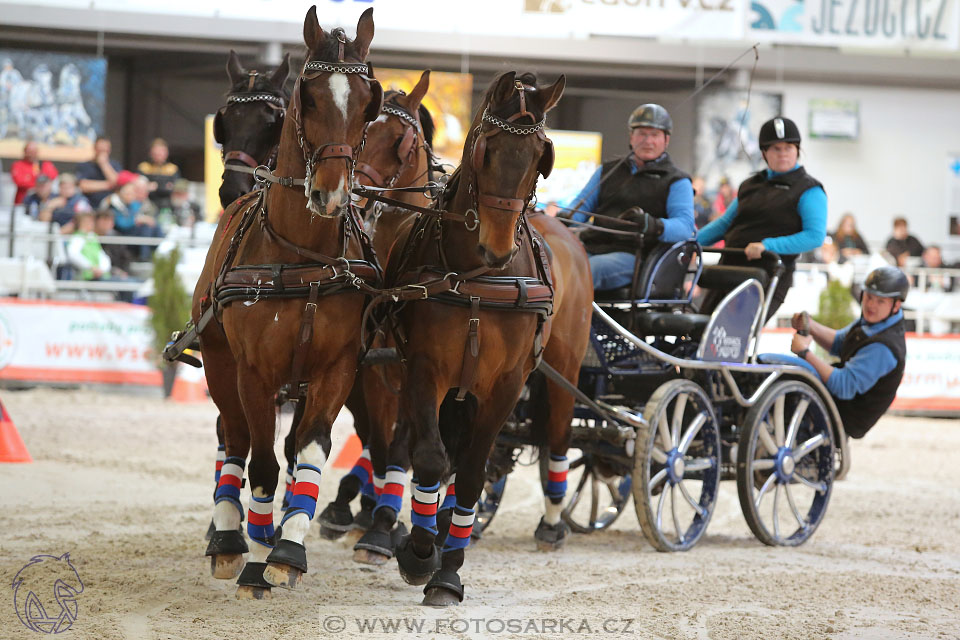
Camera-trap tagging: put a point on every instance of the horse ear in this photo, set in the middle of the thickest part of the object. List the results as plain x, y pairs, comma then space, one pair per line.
235, 70
550, 96
416, 96
313, 35
279, 77
364, 34
505, 87
375, 106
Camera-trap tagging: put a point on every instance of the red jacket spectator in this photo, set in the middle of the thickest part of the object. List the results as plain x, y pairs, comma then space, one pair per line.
24, 172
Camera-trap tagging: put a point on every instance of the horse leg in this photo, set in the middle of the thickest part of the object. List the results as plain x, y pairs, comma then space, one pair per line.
416, 553
227, 545
336, 518
218, 465
290, 452
445, 588
555, 412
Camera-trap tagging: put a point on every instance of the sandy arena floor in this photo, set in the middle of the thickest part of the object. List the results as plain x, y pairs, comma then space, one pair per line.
124, 485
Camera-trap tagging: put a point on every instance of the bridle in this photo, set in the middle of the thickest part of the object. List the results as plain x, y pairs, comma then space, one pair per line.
544, 167
312, 69
272, 100
407, 145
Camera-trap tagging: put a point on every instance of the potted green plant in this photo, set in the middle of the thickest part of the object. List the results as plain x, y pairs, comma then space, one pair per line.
170, 310
836, 306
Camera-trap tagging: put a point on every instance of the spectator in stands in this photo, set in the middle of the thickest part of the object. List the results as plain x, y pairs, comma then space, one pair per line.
702, 209
161, 173
25, 172
39, 196
186, 212
902, 245
84, 251
62, 208
120, 254
131, 210
847, 239
725, 195
98, 178
933, 259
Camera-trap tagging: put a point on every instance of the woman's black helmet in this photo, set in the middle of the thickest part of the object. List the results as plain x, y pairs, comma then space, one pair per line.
779, 130
887, 282
651, 115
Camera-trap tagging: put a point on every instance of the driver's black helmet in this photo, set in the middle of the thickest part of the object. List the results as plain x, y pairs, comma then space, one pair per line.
651, 115
779, 130
887, 282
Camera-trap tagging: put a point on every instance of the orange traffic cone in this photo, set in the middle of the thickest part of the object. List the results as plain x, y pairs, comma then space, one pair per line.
190, 385
12, 448
348, 455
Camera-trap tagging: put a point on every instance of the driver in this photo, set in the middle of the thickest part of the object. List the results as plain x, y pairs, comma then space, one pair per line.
644, 187
872, 352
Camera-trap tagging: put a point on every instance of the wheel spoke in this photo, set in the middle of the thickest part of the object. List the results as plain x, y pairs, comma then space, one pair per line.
763, 430
693, 503
816, 486
793, 507
763, 490
678, 410
663, 429
673, 512
762, 464
594, 499
813, 443
778, 406
776, 511
692, 431
658, 478
698, 464
795, 421
575, 498
663, 494
658, 455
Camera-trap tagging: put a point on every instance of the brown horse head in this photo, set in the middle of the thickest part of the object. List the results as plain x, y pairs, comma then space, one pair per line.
506, 150
248, 126
389, 156
334, 99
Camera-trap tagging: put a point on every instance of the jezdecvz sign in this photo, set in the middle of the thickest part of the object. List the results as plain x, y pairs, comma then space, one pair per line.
913, 24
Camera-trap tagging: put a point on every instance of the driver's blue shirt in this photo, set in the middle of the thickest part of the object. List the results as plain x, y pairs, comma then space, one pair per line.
677, 226
812, 208
867, 365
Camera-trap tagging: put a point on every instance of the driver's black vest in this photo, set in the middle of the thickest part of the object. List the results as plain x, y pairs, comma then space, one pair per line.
767, 208
862, 411
647, 189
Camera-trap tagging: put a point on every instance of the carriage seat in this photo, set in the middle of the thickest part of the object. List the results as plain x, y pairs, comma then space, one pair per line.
662, 274
725, 277
665, 323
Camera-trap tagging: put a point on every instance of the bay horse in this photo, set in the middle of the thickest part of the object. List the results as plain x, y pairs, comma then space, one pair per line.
397, 153
278, 303
477, 340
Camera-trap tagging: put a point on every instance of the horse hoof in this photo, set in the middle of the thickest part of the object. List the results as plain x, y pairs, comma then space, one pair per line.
245, 592
366, 556
414, 569
335, 520
440, 597
330, 534
226, 566
551, 537
282, 575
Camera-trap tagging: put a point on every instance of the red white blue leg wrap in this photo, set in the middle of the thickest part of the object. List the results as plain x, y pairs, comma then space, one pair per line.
392, 495
557, 478
461, 526
260, 520
423, 507
231, 479
306, 488
450, 498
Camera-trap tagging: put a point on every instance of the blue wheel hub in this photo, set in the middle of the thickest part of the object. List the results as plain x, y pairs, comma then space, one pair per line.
784, 465
675, 466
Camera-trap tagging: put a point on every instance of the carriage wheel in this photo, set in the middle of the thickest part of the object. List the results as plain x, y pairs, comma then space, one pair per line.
488, 504
677, 461
785, 464
599, 496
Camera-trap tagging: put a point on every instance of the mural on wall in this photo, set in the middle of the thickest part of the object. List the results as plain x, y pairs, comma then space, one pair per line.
55, 99
727, 128
448, 101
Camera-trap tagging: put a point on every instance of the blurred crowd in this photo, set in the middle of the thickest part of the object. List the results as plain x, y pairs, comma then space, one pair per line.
101, 199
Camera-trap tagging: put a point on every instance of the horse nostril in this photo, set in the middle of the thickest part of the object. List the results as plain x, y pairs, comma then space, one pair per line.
317, 196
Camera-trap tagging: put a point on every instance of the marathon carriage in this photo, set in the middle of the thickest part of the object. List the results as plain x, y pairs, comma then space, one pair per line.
669, 403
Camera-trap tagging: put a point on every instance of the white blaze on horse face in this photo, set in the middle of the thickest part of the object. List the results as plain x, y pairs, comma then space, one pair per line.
340, 88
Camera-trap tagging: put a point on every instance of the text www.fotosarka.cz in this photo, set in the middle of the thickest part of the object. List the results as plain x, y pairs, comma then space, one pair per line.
471, 626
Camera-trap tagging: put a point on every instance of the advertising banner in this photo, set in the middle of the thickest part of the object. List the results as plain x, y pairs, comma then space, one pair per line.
874, 24
577, 156
75, 342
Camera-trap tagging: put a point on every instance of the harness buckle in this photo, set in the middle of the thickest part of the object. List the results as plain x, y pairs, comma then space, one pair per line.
471, 222
420, 286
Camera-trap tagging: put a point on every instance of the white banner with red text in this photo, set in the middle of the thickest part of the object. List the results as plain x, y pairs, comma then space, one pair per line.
76, 342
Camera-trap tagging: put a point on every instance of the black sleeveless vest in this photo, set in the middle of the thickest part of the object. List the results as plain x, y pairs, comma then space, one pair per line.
647, 189
862, 411
767, 208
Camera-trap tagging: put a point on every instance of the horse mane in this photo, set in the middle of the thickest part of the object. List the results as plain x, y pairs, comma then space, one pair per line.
510, 107
331, 47
426, 121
